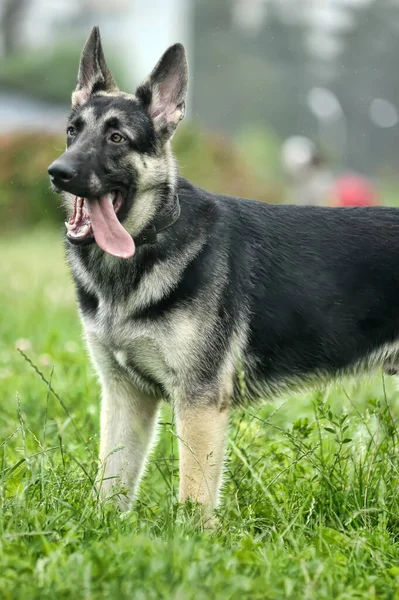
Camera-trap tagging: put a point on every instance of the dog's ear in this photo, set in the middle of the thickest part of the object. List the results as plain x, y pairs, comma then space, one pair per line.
93, 74
163, 93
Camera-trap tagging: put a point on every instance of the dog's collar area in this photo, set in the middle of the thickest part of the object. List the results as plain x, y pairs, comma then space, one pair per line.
149, 234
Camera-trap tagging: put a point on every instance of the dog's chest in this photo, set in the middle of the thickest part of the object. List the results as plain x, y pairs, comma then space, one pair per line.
155, 352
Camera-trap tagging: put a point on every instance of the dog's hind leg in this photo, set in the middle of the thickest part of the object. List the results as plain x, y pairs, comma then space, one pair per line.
128, 419
202, 430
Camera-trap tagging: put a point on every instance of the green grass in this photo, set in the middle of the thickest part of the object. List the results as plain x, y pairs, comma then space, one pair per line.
310, 506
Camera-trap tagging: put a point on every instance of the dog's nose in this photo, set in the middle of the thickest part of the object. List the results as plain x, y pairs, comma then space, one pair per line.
60, 171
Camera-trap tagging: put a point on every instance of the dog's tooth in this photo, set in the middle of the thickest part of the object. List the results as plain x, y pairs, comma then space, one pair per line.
82, 232
79, 207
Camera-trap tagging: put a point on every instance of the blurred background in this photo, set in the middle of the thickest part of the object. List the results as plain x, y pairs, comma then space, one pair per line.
290, 100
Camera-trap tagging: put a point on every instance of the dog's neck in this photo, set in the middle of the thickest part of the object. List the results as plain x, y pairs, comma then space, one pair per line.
166, 218
154, 201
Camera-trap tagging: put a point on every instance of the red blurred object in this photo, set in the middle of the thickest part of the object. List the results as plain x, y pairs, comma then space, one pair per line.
353, 190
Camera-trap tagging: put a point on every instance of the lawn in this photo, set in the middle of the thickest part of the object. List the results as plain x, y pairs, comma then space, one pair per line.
310, 507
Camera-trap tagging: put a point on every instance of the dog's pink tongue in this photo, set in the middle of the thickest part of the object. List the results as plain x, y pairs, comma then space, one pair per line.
108, 232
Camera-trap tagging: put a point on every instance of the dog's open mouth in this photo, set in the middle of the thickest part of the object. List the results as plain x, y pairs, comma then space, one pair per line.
97, 218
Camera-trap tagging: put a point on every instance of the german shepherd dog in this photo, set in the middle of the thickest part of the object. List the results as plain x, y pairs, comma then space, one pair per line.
181, 290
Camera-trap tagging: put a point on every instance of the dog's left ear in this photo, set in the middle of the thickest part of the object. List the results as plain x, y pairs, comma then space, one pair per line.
93, 74
163, 93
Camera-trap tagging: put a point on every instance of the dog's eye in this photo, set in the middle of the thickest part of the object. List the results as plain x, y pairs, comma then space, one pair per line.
71, 131
117, 138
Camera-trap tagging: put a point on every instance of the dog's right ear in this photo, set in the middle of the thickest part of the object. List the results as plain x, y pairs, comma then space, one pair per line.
93, 75
163, 93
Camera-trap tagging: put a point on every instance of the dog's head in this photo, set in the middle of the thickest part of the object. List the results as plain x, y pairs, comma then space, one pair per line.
118, 161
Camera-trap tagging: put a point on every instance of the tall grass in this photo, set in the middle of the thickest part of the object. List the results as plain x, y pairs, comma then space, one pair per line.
310, 497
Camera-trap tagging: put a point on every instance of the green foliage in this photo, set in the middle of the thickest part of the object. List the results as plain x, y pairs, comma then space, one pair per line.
47, 75
310, 505
25, 194
262, 148
216, 163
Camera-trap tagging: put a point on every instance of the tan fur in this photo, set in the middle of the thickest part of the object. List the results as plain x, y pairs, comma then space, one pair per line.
128, 420
202, 434
79, 97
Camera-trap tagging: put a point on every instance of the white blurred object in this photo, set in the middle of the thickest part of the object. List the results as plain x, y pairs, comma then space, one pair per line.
324, 104
310, 180
331, 120
249, 14
383, 113
297, 152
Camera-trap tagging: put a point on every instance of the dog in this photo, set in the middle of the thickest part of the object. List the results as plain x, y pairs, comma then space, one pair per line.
204, 300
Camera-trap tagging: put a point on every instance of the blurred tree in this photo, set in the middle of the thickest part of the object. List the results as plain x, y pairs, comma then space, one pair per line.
49, 76
10, 19
248, 73
282, 44
368, 70
256, 62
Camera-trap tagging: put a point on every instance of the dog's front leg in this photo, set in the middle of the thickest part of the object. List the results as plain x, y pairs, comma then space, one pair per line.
202, 430
128, 419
